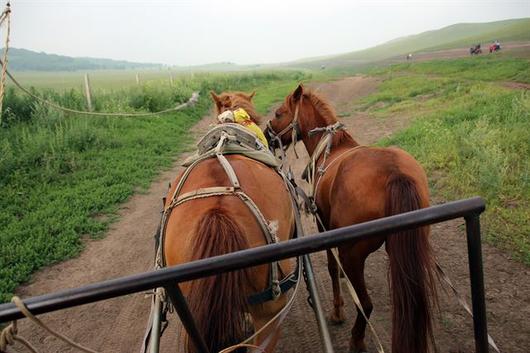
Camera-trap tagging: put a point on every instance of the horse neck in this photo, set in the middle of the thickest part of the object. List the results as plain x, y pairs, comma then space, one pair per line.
314, 119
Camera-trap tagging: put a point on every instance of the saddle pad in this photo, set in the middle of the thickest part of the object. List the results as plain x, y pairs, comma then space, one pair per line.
240, 141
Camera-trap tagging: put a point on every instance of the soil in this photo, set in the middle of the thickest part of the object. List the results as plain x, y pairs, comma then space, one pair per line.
118, 325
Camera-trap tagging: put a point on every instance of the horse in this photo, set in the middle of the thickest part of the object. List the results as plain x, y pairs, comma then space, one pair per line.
354, 184
218, 224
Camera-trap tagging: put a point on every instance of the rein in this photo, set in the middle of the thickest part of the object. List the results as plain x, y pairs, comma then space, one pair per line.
293, 126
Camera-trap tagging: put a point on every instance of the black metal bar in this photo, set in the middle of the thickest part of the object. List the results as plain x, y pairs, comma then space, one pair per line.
317, 307
476, 275
181, 306
241, 259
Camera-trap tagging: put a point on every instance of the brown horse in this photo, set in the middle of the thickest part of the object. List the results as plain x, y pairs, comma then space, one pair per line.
356, 184
215, 225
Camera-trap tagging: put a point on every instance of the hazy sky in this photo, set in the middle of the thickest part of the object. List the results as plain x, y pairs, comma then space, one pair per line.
241, 31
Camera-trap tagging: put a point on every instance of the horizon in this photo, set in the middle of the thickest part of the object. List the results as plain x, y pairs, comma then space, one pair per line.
198, 46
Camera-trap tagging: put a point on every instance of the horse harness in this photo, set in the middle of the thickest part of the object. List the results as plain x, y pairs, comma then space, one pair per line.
230, 134
224, 139
294, 127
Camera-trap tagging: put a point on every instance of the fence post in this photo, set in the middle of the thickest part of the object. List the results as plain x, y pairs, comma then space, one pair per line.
170, 79
88, 93
137, 78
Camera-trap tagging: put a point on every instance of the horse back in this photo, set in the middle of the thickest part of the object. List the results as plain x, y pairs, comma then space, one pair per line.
355, 189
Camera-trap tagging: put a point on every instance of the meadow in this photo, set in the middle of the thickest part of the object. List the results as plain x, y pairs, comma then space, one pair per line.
471, 131
62, 177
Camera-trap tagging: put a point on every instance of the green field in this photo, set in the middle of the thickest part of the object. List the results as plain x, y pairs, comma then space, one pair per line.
102, 80
63, 177
472, 134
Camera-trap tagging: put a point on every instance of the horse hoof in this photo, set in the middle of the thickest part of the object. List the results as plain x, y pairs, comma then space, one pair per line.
361, 349
336, 319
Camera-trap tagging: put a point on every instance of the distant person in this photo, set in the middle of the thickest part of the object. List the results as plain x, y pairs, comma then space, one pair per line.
496, 46
475, 50
409, 57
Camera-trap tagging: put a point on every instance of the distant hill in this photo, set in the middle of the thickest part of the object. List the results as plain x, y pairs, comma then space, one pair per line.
454, 36
28, 60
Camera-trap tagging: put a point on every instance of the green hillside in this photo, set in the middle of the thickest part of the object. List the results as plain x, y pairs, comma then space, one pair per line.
455, 36
28, 60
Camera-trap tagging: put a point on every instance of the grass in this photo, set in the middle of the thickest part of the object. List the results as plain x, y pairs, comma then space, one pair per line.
461, 35
498, 67
471, 134
63, 177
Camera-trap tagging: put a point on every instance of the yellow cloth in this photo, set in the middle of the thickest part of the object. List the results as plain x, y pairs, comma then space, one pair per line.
242, 118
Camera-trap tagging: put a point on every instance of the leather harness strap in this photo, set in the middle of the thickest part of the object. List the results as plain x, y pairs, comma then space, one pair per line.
276, 287
293, 127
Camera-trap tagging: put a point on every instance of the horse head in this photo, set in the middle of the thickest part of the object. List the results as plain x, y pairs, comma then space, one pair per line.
234, 100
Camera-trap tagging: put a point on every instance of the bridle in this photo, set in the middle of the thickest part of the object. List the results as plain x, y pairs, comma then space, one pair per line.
294, 127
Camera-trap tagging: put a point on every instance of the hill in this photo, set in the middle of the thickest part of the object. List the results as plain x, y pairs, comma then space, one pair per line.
454, 36
28, 60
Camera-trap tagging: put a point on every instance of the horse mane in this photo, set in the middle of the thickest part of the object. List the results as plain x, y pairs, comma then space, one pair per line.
327, 112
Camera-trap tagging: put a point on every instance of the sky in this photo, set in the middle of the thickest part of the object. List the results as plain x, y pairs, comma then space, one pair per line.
241, 31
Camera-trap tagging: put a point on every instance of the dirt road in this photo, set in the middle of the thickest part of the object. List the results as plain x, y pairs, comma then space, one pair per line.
118, 325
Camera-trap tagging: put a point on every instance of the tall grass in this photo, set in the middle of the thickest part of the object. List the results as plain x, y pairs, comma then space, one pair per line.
472, 136
61, 177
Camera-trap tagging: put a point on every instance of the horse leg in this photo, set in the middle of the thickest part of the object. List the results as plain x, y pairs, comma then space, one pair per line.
353, 265
337, 315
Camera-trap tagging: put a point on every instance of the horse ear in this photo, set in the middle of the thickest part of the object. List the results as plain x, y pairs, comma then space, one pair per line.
297, 94
216, 99
251, 95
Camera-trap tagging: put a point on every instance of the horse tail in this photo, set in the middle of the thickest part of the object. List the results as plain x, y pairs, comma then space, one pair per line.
219, 303
411, 273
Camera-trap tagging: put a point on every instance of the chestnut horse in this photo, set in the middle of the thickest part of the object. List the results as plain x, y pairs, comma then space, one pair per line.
356, 184
215, 225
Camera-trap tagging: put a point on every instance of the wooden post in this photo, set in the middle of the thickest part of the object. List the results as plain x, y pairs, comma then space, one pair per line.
137, 78
88, 93
170, 79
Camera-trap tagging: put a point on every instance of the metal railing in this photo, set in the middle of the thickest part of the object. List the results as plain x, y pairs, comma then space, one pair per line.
169, 277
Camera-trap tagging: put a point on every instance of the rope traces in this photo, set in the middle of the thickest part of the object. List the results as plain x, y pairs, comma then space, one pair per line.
193, 99
9, 335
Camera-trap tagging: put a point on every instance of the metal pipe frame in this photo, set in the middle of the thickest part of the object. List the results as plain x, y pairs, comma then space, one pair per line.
181, 306
168, 277
316, 305
476, 276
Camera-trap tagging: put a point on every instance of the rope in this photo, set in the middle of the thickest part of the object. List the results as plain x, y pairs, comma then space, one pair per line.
462, 301
5, 15
353, 292
10, 334
193, 99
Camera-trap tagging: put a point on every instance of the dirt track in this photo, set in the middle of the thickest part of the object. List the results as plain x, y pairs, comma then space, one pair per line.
118, 325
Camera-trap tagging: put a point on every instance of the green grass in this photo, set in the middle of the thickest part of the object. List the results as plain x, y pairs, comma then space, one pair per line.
498, 67
63, 177
472, 136
461, 35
